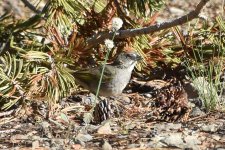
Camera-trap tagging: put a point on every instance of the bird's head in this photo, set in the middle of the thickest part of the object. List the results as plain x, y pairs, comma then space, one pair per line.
127, 59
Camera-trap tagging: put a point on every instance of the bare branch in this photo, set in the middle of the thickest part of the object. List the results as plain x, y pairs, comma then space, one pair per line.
99, 38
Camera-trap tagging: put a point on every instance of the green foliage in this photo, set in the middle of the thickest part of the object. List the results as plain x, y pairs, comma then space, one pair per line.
208, 64
33, 76
32, 69
11, 85
61, 12
142, 7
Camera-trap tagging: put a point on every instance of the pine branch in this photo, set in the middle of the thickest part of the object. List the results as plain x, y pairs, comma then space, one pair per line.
99, 38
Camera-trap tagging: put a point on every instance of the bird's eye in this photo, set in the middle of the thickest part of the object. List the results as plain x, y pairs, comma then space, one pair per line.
132, 56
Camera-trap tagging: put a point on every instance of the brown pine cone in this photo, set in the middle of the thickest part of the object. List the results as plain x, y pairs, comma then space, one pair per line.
171, 103
102, 111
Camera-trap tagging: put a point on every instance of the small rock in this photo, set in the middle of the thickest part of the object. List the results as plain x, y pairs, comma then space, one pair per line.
191, 141
174, 139
169, 126
92, 128
196, 112
106, 146
82, 138
133, 146
209, 128
35, 137
174, 126
126, 100
105, 129
156, 142
216, 137
17, 138
35, 144
44, 124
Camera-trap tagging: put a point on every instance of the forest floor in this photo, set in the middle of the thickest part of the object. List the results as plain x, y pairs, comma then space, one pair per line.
135, 125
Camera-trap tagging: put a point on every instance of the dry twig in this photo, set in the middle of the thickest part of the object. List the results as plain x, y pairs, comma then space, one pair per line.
100, 37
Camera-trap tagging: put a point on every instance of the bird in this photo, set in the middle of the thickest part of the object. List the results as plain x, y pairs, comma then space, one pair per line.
115, 78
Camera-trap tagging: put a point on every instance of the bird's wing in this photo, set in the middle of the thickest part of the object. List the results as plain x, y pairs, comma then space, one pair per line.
93, 74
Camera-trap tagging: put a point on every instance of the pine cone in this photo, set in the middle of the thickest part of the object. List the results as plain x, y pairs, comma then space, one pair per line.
102, 111
171, 103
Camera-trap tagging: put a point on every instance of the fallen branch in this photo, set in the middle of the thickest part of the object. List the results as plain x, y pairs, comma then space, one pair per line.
100, 37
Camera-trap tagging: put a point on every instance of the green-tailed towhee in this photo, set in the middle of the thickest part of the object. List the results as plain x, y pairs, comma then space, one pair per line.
116, 75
